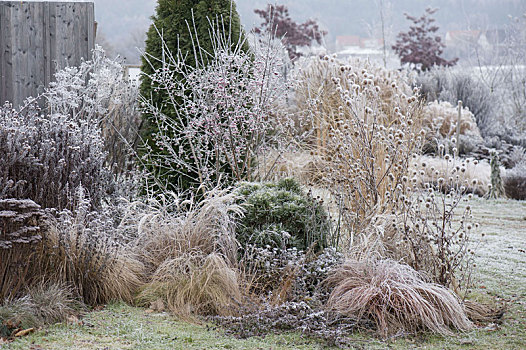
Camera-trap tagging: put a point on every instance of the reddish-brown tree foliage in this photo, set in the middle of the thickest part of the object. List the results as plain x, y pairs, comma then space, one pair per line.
277, 21
418, 47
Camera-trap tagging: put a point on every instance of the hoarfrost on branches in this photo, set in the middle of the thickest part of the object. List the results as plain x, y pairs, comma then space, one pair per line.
223, 110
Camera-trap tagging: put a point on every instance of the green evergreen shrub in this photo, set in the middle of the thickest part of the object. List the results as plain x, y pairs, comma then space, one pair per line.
185, 28
281, 215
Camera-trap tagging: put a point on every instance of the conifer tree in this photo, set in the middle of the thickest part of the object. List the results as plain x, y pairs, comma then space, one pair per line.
185, 25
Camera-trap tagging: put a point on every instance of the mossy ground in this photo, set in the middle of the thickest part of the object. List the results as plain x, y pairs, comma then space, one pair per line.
500, 274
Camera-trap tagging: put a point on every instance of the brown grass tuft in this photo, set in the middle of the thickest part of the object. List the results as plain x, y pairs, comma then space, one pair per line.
191, 256
166, 233
89, 259
484, 313
395, 297
194, 284
42, 304
441, 119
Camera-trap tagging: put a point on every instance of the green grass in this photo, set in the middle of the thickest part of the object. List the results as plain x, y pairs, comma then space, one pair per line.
120, 326
500, 273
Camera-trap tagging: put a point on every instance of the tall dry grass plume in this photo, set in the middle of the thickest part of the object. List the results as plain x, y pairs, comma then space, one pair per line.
441, 119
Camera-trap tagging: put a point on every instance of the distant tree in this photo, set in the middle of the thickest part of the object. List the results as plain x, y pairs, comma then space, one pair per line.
108, 47
418, 47
183, 24
133, 44
277, 21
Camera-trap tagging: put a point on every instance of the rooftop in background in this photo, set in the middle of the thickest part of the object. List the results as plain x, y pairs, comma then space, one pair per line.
354, 41
487, 39
355, 46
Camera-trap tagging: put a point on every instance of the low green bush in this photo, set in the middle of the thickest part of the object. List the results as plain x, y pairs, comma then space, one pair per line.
281, 215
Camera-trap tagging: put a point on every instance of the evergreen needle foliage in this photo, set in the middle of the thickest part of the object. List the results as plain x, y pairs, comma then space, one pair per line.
281, 215
181, 29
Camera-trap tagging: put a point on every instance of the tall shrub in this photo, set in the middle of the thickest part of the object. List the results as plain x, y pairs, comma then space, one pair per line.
182, 30
418, 47
223, 116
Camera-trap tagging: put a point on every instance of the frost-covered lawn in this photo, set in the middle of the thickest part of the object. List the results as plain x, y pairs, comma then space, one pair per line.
500, 272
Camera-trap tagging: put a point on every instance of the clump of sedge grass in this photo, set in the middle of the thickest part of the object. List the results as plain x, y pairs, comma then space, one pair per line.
43, 304
191, 254
79, 249
194, 284
395, 297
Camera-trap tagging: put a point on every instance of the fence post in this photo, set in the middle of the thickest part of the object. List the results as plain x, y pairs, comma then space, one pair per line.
458, 127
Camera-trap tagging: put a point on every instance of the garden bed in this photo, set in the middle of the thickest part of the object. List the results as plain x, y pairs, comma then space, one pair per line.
500, 275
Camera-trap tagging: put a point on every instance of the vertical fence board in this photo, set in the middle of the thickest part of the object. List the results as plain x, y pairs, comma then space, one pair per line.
7, 60
19, 65
36, 39
52, 39
46, 48
2, 50
90, 18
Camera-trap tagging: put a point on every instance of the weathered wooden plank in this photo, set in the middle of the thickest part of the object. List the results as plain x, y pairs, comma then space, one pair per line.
78, 28
64, 30
6, 92
2, 83
36, 39
35, 50
52, 40
90, 30
19, 62
27, 56
46, 44
3, 30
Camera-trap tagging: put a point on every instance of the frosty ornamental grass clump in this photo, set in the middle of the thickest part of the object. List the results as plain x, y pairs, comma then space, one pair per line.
190, 253
395, 297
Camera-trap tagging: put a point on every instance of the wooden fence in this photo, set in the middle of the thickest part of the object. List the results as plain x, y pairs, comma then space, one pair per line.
39, 38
